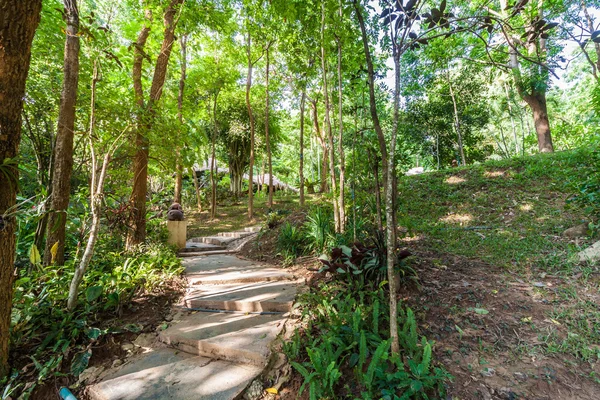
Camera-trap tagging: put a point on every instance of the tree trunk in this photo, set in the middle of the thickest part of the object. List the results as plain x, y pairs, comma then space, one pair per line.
512, 119
63, 167
179, 165
196, 189
96, 195
18, 22
336, 213
137, 221
537, 103
267, 139
213, 162
372, 100
301, 172
535, 97
323, 144
252, 128
341, 200
463, 160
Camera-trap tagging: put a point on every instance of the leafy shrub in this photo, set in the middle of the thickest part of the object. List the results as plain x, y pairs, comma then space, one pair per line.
53, 335
366, 262
586, 188
344, 334
290, 241
318, 229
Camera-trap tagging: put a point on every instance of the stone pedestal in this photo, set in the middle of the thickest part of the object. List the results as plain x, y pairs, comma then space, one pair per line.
177, 233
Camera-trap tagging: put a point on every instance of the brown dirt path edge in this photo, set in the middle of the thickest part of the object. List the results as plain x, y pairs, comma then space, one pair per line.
497, 355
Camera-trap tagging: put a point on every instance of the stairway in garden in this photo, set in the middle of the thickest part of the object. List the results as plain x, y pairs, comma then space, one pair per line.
220, 340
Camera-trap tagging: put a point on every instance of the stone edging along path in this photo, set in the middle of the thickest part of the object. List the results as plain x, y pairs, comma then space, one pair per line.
220, 340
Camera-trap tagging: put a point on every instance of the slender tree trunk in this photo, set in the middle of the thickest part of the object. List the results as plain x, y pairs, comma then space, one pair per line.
341, 200
179, 166
390, 209
301, 173
137, 222
323, 144
377, 193
213, 162
267, 139
252, 129
372, 100
512, 119
336, 213
196, 188
96, 195
61, 182
457, 124
18, 22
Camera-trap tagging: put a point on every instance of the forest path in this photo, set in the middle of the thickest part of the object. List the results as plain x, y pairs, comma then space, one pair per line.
220, 338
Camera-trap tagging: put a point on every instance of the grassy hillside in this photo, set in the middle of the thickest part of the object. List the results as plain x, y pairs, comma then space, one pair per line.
509, 213
501, 290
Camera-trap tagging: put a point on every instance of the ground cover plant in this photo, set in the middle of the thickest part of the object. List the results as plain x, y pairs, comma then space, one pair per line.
343, 349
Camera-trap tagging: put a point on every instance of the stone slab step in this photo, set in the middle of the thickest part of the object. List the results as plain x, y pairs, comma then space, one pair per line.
169, 374
252, 297
216, 240
226, 269
206, 253
252, 229
236, 235
195, 247
242, 338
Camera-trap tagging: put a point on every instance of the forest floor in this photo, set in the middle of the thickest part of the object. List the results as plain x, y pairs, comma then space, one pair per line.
514, 315
232, 214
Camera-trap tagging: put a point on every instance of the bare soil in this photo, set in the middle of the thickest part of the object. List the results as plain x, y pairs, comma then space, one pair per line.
497, 355
487, 324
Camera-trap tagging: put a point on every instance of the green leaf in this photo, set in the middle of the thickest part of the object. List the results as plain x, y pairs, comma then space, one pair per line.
94, 333
92, 293
80, 362
481, 311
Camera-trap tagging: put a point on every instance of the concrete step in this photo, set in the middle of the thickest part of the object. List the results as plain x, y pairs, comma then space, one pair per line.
252, 297
236, 235
196, 247
206, 253
241, 338
253, 229
228, 269
216, 240
171, 374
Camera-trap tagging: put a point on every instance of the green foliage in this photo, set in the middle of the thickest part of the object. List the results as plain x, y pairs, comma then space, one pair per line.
290, 241
42, 323
368, 263
344, 332
319, 229
586, 187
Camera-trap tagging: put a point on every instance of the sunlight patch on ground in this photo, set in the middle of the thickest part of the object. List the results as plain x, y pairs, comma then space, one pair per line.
412, 238
493, 174
455, 180
457, 218
526, 207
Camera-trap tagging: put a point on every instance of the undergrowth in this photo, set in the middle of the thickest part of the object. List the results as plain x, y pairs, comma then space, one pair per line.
346, 334
60, 342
